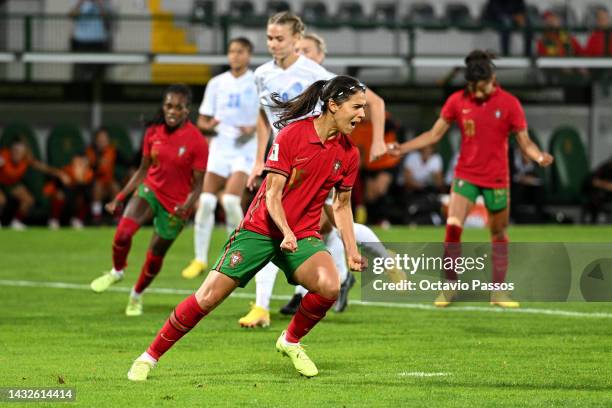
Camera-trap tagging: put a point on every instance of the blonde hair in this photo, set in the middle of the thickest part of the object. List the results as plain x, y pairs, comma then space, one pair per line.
318, 40
290, 19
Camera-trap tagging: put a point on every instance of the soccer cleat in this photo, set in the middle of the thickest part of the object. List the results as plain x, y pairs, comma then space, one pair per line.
104, 282
140, 370
302, 363
194, 269
396, 275
257, 316
134, 307
342, 301
445, 298
502, 299
292, 306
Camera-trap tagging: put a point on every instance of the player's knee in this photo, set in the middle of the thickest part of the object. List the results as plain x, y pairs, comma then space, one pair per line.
207, 298
207, 205
329, 285
232, 206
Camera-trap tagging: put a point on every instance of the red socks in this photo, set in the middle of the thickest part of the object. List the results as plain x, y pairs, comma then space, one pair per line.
150, 269
312, 309
123, 241
182, 319
452, 247
500, 259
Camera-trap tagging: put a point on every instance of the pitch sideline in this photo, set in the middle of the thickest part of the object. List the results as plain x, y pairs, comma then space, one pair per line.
170, 291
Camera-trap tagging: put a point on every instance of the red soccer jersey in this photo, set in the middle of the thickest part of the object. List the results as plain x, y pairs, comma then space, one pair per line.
485, 126
174, 156
312, 168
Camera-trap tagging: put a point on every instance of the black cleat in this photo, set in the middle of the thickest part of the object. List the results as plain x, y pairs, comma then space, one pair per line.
292, 306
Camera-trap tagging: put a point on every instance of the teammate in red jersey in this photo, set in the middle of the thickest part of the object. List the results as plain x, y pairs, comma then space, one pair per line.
486, 115
169, 181
308, 158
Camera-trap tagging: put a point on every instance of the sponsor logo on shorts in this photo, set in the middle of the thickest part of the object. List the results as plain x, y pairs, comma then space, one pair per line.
235, 258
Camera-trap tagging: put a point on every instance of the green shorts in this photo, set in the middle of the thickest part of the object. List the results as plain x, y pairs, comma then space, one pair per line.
167, 226
246, 252
496, 199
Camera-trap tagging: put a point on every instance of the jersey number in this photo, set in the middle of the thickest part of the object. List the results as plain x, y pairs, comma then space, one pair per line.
469, 127
234, 101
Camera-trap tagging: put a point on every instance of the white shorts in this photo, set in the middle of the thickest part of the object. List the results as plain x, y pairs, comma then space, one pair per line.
226, 158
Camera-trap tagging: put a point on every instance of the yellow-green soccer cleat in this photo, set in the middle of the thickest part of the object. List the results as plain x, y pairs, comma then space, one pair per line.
396, 275
104, 282
140, 370
134, 307
257, 316
302, 363
194, 269
445, 298
502, 299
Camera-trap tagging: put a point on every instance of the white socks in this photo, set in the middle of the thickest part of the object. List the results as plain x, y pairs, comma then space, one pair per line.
134, 294
233, 211
264, 283
336, 249
117, 274
300, 290
147, 357
96, 208
366, 237
204, 223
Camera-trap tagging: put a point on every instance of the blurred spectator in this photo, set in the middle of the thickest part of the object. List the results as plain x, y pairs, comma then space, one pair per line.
14, 163
423, 182
102, 157
527, 190
556, 42
596, 44
598, 193
508, 15
91, 33
377, 175
71, 197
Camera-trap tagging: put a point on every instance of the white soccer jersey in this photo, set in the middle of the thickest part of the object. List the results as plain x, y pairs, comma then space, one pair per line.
232, 101
288, 83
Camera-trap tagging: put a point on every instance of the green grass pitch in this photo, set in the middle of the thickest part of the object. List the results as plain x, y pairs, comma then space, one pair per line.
367, 356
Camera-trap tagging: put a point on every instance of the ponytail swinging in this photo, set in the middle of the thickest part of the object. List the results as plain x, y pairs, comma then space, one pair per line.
339, 89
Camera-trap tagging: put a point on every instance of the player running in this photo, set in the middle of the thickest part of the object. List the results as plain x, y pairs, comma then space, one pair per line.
308, 158
288, 75
486, 114
313, 46
229, 111
169, 181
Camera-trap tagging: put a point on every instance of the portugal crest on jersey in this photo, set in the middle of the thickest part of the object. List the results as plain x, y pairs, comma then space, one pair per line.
235, 258
337, 165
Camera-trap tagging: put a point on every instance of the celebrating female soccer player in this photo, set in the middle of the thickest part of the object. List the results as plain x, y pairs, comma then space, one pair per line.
288, 75
230, 106
486, 115
174, 156
308, 158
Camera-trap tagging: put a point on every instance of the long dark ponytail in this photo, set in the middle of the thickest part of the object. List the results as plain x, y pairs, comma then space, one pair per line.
158, 118
339, 89
479, 66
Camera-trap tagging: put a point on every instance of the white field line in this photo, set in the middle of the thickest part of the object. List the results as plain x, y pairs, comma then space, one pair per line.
422, 374
421, 306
